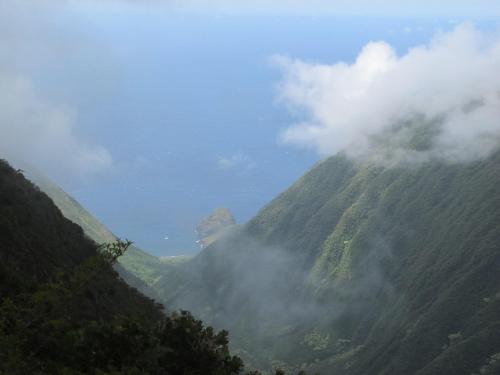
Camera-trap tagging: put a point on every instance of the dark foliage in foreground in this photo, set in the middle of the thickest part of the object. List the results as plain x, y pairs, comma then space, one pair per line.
41, 331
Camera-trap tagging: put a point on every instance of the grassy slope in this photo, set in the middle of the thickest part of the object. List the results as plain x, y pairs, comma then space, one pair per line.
388, 271
140, 265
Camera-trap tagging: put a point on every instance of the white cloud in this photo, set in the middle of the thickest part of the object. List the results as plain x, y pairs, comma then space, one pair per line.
451, 83
40, 133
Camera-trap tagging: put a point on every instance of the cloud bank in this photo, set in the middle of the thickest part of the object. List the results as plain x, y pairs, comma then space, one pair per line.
437, 101
42, 134
34, 130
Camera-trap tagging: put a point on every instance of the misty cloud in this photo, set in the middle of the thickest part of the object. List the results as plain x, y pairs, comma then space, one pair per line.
376, 106
256, 277
40, 133
34, 129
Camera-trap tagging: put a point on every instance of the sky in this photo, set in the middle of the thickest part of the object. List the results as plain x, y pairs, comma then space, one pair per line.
371, 8
154, 113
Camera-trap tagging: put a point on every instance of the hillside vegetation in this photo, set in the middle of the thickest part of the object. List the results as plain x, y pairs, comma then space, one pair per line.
139, 268
359, 269
64, 310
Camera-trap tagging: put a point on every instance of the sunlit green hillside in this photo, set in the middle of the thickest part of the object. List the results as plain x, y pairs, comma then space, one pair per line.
140, 264
360, 269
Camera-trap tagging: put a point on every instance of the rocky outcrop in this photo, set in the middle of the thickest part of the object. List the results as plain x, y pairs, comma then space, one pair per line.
211, 227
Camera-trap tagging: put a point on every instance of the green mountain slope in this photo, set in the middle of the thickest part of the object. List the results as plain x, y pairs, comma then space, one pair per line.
359, 269
143, 268
64, 310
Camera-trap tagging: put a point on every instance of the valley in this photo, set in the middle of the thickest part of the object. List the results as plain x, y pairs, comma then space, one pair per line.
354, 269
